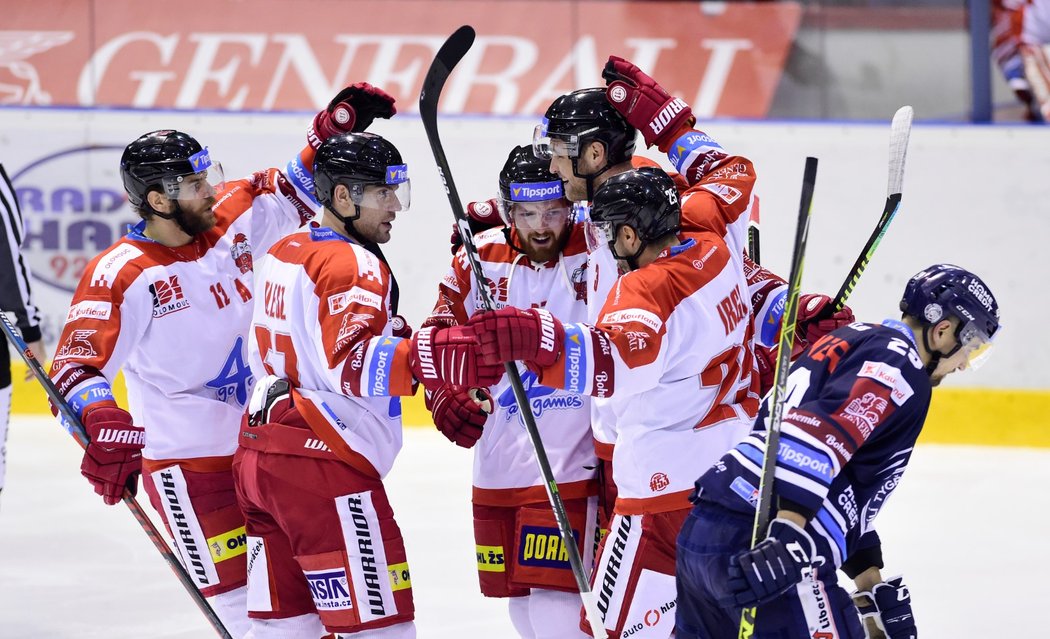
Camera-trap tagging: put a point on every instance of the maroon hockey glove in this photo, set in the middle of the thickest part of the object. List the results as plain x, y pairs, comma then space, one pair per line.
645, 104
113, 457
511, 334
816, 319
450, 355
458, 415
352, 109
767, 364
481, 216
400, 327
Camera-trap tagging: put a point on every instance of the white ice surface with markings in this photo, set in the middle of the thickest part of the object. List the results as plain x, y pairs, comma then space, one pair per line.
967, 528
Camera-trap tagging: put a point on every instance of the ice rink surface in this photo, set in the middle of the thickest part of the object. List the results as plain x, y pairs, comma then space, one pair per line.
967, 527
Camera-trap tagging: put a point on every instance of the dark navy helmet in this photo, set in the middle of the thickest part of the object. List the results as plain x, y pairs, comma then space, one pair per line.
163, 161
582, 117
944, 290
358, 160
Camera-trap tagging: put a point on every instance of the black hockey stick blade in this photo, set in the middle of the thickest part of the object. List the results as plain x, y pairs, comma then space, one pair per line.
900, 132
71, 423
787, 341
754, 240
447, 57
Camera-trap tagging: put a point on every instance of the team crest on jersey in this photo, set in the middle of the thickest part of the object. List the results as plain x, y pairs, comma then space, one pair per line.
353, 324
78, 345
579, 282
865, 412
241, 252
167, 296
498, 292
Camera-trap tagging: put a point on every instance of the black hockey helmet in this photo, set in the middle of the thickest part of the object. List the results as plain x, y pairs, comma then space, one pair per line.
160, 160
945, 290
582, 117
646, 199
526, 178
357, 160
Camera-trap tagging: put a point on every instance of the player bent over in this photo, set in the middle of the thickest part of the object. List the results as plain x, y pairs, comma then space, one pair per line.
659, 363
855, 404
324, 423
170, 304
537, 260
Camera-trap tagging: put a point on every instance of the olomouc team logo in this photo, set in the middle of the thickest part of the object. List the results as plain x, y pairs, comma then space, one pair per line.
74, 206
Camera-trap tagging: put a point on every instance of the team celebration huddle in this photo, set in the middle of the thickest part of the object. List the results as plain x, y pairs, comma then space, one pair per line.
722, 445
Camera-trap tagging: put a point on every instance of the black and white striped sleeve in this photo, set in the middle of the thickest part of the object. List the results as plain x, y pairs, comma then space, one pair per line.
16, 295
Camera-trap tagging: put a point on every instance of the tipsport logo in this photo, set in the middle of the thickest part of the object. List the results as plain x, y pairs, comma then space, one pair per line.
200, 160
540, 399
396, 174
535, 192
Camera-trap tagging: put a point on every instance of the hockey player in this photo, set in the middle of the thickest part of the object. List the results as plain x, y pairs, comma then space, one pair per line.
662, 363
536, 260
324, 424
15, 297
170, 304
855, 404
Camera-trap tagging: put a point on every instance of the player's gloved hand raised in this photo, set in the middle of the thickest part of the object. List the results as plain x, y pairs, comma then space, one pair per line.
352, 109
817, 318
645, 104
460, 413
450, 355
400, 328
510, 334
113, 457
888, 607
481, 216
773, 566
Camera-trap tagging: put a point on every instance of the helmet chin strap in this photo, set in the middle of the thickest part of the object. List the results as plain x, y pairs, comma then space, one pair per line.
589, 178
632, 260
178, 216
936, 356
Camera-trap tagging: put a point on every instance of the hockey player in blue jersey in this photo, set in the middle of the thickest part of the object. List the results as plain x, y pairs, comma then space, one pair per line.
856, 401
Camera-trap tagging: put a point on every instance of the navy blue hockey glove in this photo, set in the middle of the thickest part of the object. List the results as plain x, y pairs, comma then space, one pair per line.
888, 607
772, 567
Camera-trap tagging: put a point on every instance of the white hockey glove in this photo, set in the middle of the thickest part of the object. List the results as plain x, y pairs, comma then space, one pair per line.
886, 611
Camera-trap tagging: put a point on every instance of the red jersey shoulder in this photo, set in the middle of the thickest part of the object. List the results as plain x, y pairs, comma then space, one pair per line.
673, 278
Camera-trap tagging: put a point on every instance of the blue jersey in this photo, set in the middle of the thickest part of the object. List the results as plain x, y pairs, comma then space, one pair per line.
856, 401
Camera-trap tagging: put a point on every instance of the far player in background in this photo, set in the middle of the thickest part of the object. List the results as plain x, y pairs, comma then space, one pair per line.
856, 402
1020, 31
662, 364
324, 424
16, 296
537, 260
170, 305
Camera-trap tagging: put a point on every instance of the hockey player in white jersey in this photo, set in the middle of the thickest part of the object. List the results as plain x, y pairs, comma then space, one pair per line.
324, 424
170, 305
536, 260
662, 365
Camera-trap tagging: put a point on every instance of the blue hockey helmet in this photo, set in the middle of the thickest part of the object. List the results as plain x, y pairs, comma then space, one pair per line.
944, 290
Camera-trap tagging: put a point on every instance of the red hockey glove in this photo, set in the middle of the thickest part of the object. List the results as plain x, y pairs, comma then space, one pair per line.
400, 327
816, 319
352, 109
645, 104
113, 457
767, 365
510, 334
450, 355
458, 414
482, 216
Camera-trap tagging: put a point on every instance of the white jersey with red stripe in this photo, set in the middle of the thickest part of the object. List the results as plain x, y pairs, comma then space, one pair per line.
175, 320
669, 364
505, 469
323, 323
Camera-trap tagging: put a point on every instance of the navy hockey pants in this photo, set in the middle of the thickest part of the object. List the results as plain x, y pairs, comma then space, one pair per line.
817, 608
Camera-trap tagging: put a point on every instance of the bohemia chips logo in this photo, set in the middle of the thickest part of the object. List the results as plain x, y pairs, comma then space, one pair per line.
241, 251
167, 296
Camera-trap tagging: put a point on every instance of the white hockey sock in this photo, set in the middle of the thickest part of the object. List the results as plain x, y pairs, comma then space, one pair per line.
555, 614
519, 616
405, 630
307, 626
232, 609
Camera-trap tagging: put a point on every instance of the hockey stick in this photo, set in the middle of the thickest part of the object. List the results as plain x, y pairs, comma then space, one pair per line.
900, 131
72, 424
787, 340
446, 59
753, 240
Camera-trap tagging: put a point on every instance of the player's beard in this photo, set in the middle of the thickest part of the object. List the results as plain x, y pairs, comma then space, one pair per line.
199, 219
548, 250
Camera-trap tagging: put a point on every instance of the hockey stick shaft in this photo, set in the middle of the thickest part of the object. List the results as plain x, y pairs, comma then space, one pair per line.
900, 132
754, 244
787, 340
446, 59
71, 423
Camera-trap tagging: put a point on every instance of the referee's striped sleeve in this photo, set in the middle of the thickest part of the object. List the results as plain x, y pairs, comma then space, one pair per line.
16, 295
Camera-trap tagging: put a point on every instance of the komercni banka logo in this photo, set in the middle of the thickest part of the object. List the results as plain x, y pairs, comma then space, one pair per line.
541, 399
74, 207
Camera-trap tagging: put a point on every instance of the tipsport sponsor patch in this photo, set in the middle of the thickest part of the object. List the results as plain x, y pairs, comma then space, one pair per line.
397, 173
535, 191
